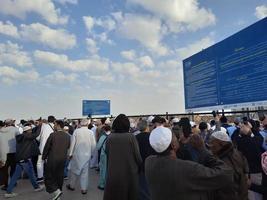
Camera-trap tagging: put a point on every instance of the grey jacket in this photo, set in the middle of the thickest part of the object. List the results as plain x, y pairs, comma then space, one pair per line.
8, 141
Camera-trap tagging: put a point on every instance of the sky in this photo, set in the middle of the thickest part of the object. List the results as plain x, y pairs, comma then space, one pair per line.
56, 53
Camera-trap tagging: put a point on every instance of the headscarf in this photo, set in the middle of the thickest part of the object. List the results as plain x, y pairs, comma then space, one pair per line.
121, 124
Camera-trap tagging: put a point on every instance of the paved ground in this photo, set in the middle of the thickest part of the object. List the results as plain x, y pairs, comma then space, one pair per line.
25, 191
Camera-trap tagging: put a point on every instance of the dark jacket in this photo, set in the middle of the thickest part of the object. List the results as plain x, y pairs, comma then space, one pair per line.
144, 147
56, 148
173, 179
26, 146
123, 164
252, 150
235, 160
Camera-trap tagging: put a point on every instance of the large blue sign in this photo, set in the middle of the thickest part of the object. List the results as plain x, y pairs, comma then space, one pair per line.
229, 74
96, 107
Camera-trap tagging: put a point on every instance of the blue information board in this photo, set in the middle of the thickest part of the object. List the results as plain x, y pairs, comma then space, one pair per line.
96, 107
229, 74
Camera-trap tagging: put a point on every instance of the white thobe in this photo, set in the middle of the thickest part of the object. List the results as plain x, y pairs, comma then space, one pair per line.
81, 148
46, 130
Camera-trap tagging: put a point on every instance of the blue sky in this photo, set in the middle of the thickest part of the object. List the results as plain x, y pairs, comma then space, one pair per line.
55, 53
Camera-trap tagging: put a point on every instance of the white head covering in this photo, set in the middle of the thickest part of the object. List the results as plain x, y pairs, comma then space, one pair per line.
150, 118
26, 128
175, 120
85, 122
160, 139
221, 135
192, 124
107, 122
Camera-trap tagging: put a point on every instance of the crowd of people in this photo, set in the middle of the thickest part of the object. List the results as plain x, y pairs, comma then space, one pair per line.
149, 158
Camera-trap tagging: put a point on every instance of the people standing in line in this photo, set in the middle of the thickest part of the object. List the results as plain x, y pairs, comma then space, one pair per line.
81, 148
26, 148
46, 130
145, 151
249, 146
54, 156
221, 146
171, 178
8, 150
101, 148
124, 161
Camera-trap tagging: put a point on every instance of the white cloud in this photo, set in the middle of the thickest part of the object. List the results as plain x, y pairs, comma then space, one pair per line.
9, 29
170, 64
261, 11
60, 77
186, 13
106, 78
147, 78
195, 47
129, 55
91, 46
67, 1
12, 54
45, 8
103, 37
129, 72
106, 23
128, 68
89, 22
146, 61
54, 38
145, 29
94, 65
11, 76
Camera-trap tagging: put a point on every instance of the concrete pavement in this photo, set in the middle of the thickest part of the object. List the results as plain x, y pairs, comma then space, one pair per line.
25, 191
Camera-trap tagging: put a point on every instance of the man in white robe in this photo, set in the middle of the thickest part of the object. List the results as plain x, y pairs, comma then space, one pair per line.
81, 148
46, 130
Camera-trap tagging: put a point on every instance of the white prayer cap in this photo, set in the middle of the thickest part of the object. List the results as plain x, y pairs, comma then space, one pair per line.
132, 123
175, 120
26, 128
107, 122
192, 124
220, 135
160, 139
150, 118
84, 122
